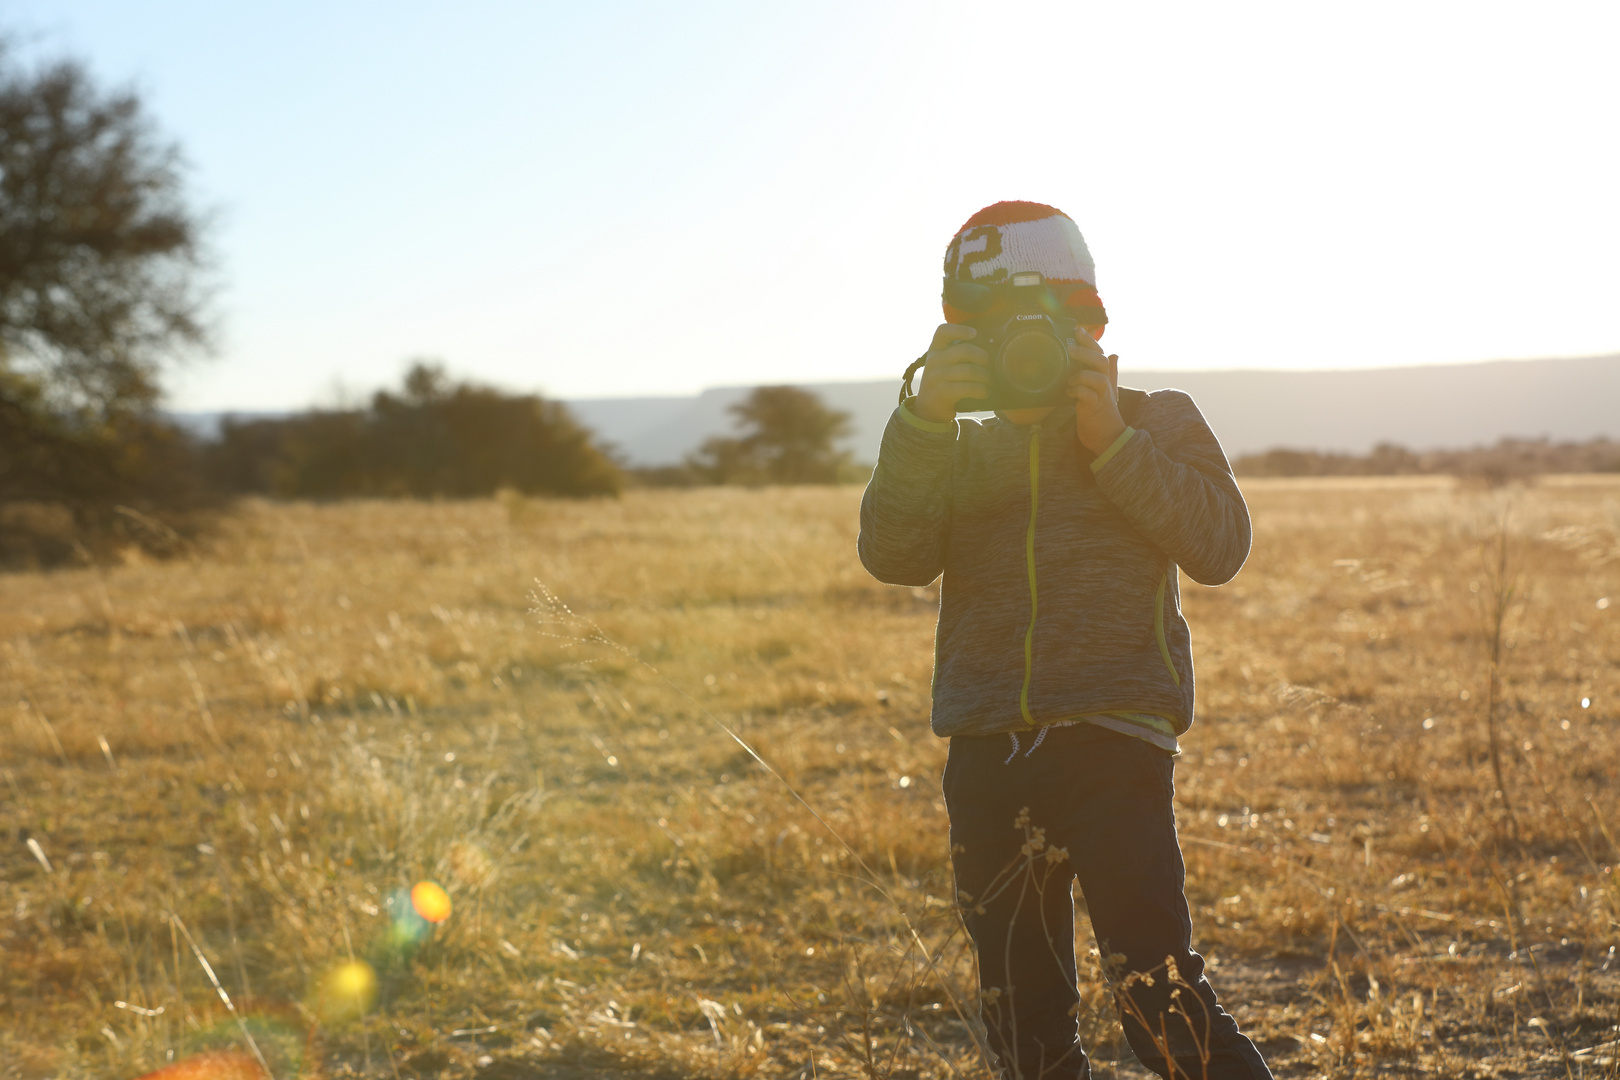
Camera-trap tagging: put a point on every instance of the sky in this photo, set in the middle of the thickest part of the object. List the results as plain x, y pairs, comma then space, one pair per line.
638, 199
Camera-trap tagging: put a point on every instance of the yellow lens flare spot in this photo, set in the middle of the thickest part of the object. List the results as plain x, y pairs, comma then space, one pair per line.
430, 901
347, 992
217, 1066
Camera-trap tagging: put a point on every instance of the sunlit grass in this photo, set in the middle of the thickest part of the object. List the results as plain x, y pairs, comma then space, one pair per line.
270, 743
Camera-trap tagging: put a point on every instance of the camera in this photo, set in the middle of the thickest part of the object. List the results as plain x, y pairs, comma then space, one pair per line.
1026, 335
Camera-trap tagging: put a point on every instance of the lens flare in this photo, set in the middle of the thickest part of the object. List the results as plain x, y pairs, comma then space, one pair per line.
407, 930
430, 902
216, 1066
347, 992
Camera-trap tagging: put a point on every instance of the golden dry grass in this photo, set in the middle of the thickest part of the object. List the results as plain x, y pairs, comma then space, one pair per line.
259, 744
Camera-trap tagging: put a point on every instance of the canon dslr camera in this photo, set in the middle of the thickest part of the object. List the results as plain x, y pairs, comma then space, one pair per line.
1026, 335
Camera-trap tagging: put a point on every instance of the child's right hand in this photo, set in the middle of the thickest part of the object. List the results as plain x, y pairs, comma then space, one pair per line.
955, 369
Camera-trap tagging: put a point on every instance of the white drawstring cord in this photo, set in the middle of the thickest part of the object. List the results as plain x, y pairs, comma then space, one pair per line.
1040, 736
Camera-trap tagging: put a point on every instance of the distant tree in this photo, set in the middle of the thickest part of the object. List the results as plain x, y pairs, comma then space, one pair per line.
722, 460
99, 293
98, 250
437, 437
1510, 459
789, 437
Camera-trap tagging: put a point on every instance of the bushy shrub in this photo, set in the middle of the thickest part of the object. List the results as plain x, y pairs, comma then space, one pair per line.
79, 483
434, 438
1509, 459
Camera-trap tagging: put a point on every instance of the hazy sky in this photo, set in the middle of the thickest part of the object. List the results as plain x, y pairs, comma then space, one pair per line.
613, 199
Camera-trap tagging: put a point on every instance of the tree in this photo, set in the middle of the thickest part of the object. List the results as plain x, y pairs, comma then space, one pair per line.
98, 250
791, 441
99, 292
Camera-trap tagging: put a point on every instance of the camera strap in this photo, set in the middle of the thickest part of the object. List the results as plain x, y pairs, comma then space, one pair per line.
905, 381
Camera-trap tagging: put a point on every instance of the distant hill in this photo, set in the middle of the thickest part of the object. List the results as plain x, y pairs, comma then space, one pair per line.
1429, 407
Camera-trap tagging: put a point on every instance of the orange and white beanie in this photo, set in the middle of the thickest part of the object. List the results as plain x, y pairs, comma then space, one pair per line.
1010, 237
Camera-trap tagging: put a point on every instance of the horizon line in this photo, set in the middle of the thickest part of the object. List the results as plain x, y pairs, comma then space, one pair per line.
1415, 366
712, 388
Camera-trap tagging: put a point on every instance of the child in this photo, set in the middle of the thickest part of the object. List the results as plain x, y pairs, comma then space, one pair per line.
1063, 669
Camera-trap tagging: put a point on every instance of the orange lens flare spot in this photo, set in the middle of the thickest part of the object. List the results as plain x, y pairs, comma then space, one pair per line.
220, 1066
430, 901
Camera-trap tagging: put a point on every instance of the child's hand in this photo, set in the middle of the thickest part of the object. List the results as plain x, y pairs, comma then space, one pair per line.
955, 370
1095, 389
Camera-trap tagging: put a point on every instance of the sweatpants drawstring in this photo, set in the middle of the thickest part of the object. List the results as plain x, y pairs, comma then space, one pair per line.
1039, 737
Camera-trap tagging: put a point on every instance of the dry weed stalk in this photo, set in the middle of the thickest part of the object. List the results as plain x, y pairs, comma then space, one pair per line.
1496, 601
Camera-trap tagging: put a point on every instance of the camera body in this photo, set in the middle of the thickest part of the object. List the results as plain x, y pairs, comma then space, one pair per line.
1026, 336
1029, 362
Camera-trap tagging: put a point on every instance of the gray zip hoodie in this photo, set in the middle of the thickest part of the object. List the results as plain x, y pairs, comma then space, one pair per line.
1059, 599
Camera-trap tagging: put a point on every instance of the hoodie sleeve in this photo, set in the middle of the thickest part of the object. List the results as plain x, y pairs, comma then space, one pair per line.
1178, 490
906, 509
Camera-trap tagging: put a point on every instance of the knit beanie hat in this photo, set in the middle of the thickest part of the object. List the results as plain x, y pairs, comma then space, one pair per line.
1010, 237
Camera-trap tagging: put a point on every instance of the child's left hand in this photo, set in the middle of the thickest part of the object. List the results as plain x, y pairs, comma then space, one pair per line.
1094, 388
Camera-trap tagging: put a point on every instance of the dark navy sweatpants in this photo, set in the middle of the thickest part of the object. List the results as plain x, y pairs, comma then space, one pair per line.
1106, 799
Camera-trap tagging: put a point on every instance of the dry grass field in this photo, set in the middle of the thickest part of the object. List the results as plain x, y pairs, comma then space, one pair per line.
244, 755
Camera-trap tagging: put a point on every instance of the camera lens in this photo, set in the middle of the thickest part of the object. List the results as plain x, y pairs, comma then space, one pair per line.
1033, 362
